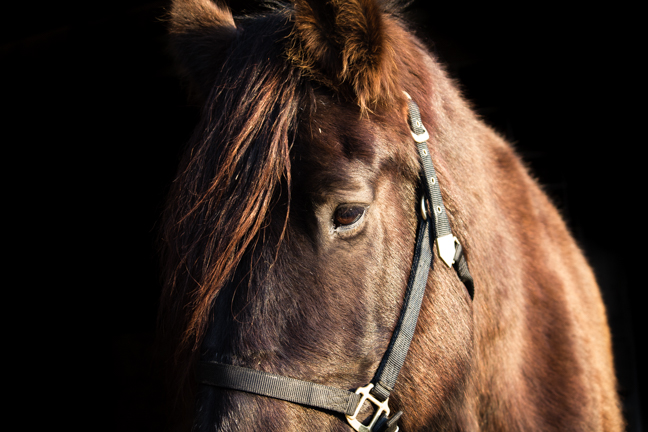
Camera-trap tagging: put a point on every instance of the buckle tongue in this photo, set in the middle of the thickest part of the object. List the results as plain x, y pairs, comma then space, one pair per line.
382, 408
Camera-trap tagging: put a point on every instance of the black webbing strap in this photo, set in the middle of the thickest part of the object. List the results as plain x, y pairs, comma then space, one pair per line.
433, 194
394, 358
278, 387
429, 176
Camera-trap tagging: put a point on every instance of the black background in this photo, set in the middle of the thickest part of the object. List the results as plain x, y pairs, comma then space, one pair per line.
95, 117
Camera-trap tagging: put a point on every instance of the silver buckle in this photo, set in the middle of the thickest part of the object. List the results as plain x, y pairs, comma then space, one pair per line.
421, 138
382, 408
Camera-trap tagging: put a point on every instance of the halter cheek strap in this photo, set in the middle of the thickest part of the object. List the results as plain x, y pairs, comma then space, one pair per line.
448, 246
377, 392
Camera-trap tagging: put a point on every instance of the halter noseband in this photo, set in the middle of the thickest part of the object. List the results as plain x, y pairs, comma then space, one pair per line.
377, 392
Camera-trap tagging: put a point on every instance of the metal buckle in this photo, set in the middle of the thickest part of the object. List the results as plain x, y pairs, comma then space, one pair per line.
382, 407
421, 138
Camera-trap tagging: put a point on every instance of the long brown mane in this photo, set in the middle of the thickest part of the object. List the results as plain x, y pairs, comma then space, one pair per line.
219, 202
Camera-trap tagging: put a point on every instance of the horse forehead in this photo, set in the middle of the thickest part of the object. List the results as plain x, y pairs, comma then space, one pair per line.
337, 134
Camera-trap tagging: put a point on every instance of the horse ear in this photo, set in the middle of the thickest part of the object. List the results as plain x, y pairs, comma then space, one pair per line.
345, 44
200, 33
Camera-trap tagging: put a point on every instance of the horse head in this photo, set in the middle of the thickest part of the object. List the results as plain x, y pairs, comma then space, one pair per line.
291, 228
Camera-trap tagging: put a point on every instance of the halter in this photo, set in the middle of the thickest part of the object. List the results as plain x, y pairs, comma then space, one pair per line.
377, 392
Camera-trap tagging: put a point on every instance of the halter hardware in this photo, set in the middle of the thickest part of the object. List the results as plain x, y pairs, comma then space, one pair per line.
423, 208
417, 129
422, 137
366, 396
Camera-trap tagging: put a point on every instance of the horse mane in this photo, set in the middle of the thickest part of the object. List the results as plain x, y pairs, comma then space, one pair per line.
219, 201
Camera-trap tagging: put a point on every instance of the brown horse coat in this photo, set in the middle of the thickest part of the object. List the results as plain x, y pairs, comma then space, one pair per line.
304, 113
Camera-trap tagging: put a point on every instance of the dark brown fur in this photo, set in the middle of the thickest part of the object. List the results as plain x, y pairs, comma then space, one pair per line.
304, 111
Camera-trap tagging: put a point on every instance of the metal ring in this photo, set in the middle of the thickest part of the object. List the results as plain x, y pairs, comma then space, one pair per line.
423, 208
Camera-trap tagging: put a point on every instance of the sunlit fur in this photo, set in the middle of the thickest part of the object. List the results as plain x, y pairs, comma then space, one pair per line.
303, 112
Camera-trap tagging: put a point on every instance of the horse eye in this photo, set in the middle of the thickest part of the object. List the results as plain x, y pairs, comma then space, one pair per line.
348, 215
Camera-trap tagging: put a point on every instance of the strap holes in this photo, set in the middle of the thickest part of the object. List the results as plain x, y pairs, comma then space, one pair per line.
424, 152
438, 209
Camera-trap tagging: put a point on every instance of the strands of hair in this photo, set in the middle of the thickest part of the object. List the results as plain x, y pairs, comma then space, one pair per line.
346, 46
237, 157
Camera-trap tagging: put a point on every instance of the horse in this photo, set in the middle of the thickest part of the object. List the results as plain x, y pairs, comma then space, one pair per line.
303, 247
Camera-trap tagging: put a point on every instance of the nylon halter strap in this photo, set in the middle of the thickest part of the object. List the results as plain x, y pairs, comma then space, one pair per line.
377, 392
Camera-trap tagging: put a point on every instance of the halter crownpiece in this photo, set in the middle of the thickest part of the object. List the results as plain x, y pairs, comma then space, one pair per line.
377, 392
